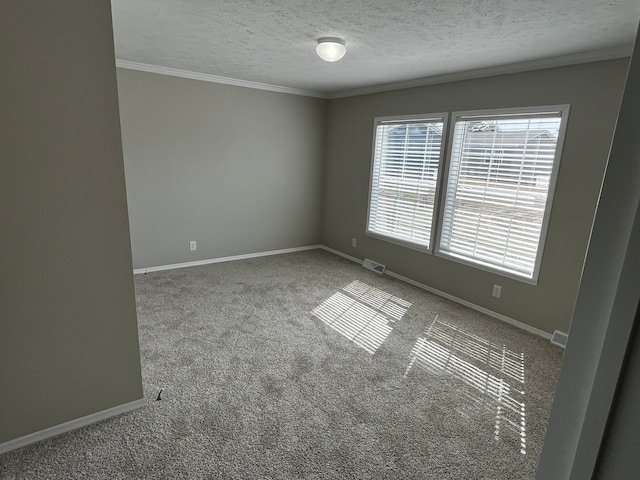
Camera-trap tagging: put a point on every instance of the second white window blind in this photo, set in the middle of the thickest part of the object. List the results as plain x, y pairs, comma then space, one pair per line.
496, 206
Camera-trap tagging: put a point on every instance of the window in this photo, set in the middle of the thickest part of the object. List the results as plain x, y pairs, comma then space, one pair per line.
501, 174
495, 201
407, 154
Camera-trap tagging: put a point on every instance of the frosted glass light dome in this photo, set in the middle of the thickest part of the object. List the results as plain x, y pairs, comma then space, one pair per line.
331, 49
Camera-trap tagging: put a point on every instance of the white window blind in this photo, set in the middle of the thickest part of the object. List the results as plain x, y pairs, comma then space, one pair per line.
498, 191
406, 159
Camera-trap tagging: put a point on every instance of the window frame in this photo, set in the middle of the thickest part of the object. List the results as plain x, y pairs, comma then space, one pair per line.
409, 119
503, 113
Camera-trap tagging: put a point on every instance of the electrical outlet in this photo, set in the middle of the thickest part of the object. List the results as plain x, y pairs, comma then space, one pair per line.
353, 242
497, 291
193, 246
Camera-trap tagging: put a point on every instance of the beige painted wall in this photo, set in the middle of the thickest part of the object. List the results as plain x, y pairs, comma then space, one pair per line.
593, 91
238, 170
68, 333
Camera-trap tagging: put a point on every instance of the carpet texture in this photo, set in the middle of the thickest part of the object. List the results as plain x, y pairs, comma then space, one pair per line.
308, 366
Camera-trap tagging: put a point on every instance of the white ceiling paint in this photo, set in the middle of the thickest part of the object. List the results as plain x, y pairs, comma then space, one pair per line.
402, 42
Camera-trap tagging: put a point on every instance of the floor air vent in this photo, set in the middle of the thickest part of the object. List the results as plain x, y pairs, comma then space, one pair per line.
373, 266
559, 338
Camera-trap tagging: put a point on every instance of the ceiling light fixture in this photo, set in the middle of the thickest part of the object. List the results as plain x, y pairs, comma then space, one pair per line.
331, 49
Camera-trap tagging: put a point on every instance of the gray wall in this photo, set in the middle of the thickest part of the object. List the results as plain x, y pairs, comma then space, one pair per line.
236, 169
68, 333
606, 308
593, 91
619, 454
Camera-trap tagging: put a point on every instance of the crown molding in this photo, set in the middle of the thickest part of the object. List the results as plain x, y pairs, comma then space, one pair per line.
552, 62
205, 77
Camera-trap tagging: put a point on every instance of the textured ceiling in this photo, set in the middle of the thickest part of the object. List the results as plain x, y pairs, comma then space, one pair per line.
273, 42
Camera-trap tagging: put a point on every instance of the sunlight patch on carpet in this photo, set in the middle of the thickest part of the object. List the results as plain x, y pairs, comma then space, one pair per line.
495, 373
362, 314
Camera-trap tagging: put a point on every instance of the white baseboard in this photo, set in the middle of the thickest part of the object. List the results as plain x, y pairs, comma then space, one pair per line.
473, 306
209, 261
340, 254
70, 425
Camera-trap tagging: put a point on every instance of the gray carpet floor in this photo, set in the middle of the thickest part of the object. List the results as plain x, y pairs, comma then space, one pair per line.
308, 366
